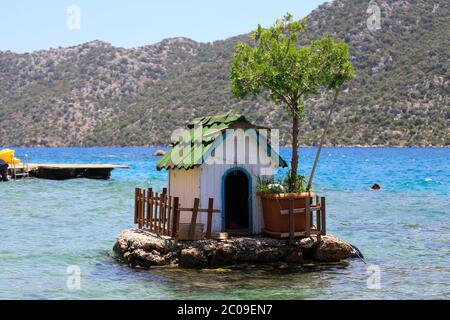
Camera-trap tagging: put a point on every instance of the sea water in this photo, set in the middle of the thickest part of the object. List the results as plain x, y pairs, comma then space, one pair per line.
56, 237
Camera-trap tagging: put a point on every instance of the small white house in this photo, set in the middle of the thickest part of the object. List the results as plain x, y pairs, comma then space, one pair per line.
222, 157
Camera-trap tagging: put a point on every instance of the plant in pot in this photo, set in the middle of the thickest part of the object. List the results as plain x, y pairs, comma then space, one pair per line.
288, 74
276, 197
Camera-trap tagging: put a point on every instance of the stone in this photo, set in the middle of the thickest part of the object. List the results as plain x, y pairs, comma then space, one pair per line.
224, 255
139, 248
294, 256
132, 239
248, 255
171, 258
307, 243
145, 259
209, 247
193, 258
332, 249
218, 270
159, 153
272, 254
121, 246
126, 255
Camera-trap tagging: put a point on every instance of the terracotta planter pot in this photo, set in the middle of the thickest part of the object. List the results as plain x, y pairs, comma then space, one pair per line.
276, 223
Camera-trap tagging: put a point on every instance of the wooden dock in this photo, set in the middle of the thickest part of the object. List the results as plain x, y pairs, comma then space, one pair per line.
63, 171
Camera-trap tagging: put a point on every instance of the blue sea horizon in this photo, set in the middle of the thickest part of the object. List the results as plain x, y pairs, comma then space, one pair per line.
403, 230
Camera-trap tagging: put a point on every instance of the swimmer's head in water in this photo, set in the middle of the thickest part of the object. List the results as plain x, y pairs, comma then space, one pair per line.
376, 186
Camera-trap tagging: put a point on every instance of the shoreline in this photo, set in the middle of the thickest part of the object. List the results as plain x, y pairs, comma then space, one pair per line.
356, 146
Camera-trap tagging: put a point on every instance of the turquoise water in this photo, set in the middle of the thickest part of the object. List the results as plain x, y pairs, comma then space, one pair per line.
404, 230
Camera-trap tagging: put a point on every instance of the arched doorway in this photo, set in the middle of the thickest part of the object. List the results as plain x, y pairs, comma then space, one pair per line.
237, 201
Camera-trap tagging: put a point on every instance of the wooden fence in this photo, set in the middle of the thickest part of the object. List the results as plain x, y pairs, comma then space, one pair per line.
160, 213
310, 206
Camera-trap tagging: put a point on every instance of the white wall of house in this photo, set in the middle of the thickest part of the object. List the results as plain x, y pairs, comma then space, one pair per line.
185, 184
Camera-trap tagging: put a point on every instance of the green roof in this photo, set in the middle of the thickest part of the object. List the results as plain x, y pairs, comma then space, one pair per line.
224, 119
199, 144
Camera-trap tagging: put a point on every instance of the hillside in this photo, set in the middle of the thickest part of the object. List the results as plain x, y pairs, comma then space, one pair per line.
97, 94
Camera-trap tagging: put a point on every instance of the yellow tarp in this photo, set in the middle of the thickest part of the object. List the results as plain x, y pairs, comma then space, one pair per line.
7, 155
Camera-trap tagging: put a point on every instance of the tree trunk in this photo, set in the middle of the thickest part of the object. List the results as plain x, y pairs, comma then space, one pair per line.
322, 139
294, 162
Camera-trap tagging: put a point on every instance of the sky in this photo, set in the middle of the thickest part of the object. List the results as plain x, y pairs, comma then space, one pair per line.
27, 26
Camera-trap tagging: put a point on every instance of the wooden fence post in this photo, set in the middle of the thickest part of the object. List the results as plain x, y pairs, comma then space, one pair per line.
308, 216
318, 215
194, 218
155, 212
291, 220
162, 211
175, 219
143, 202
169, 213
166, 209
324, 214
136, 212
209, 222
149, 207
151, 211
139, 208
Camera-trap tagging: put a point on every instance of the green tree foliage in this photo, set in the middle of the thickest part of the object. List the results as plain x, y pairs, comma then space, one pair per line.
287, 72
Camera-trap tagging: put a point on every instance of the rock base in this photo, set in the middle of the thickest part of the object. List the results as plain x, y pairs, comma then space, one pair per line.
144, 249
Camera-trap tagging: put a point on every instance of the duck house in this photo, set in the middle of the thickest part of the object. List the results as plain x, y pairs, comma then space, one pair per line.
222, 157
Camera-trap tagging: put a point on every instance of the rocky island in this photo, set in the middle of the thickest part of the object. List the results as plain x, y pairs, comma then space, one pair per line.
144, 249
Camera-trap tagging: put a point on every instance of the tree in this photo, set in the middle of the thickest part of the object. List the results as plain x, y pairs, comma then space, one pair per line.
335, 58
289, 74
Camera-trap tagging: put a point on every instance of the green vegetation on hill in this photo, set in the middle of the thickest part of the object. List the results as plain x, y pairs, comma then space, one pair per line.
97, 94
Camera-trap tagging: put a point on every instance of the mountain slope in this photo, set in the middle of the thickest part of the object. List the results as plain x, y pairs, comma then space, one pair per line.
97, 94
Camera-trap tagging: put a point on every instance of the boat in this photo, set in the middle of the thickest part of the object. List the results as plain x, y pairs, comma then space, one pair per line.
7, 155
